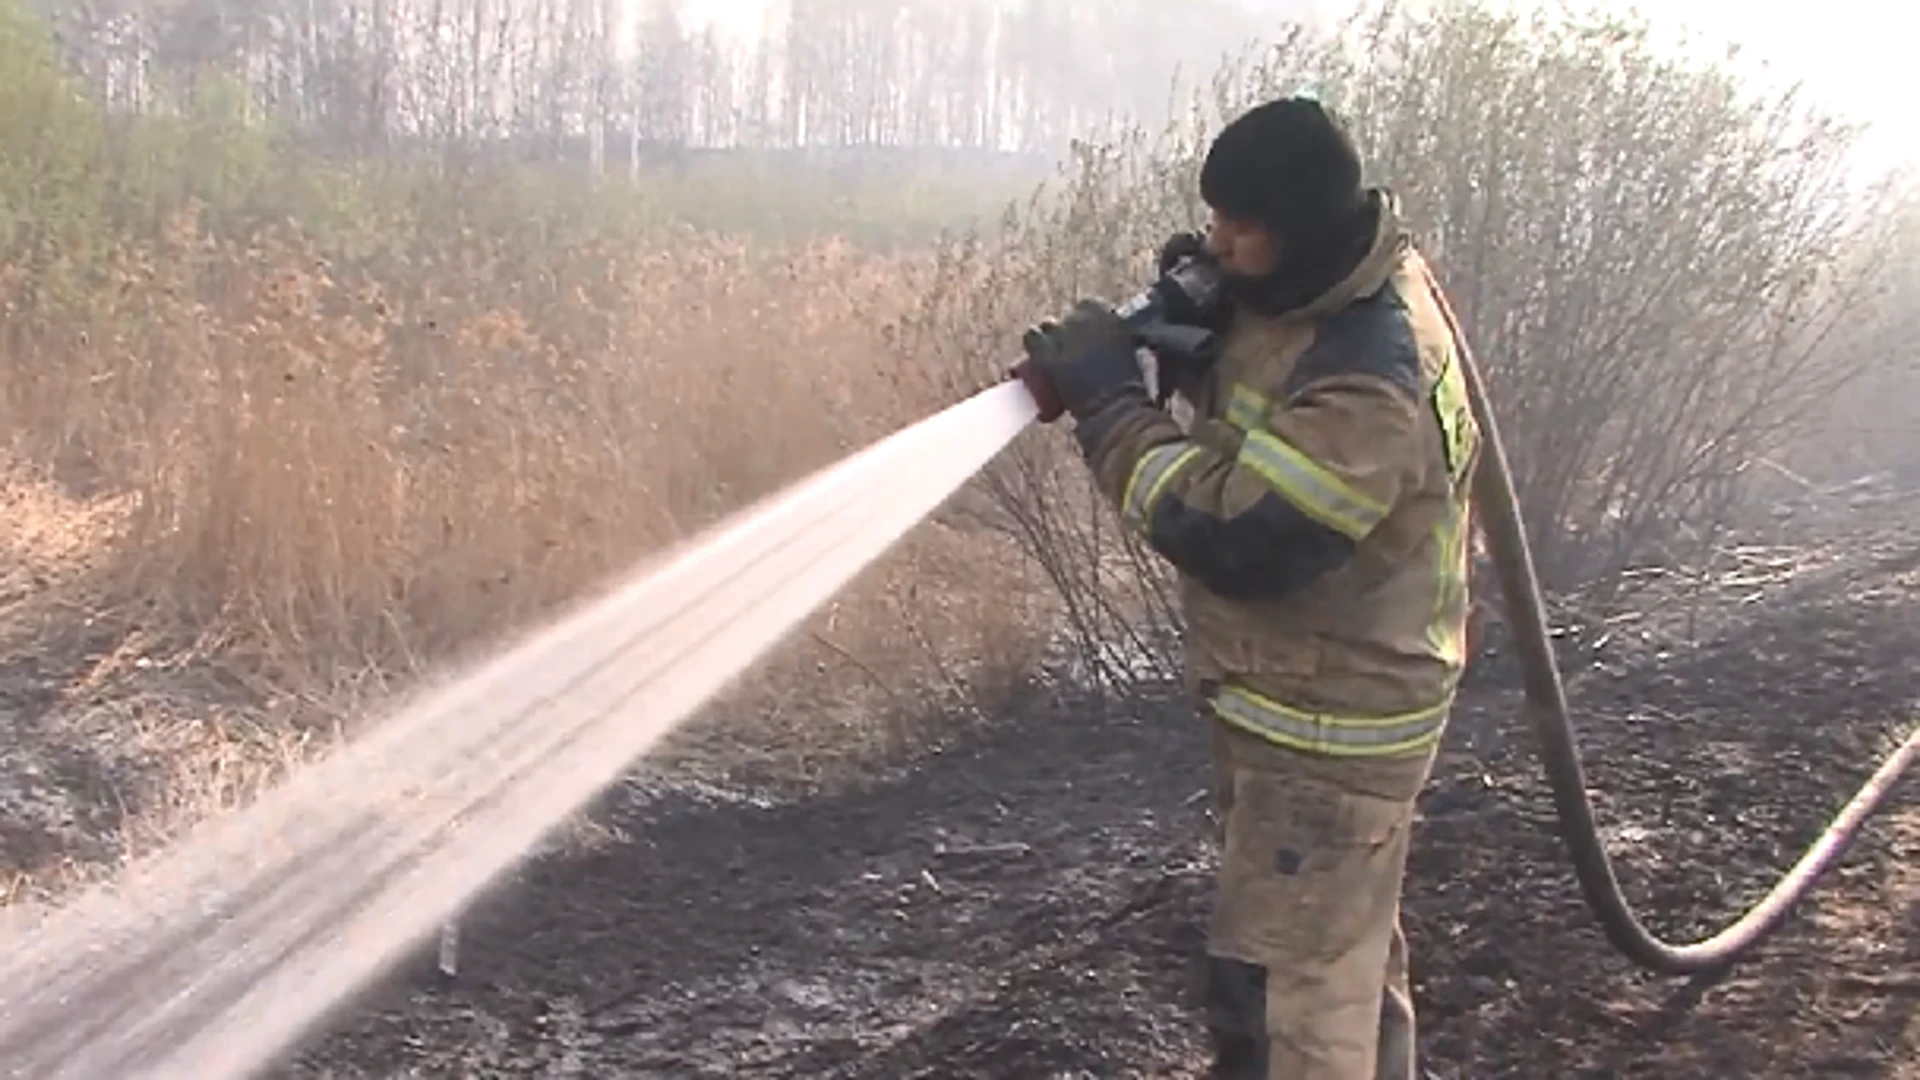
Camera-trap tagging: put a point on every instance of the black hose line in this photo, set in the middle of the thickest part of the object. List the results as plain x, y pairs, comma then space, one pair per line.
1498, 509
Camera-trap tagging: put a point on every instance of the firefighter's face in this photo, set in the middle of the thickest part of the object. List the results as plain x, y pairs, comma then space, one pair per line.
1244, 248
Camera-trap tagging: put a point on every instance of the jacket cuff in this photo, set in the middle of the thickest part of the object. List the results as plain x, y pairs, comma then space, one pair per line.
1124, 411
1112, 439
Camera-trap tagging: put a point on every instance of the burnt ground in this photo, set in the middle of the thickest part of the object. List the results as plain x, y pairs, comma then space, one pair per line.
1029, 902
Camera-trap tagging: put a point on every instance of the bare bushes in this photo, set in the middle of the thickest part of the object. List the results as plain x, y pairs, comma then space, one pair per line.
1116, 602
1868, 432
1655, 264
1664, 274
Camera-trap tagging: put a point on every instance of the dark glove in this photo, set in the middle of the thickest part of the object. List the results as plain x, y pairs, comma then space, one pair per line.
1081, 364
1045, 398
1181, 245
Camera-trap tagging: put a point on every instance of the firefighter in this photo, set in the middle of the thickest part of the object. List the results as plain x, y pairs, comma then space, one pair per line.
1315, 509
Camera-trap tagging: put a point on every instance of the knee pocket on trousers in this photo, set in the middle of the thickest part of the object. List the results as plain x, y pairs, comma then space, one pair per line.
1309, 871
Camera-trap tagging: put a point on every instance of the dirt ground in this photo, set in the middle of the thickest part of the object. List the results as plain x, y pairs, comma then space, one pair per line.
1029, 902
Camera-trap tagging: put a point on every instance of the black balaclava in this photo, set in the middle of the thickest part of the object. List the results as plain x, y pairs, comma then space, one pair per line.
1292, 167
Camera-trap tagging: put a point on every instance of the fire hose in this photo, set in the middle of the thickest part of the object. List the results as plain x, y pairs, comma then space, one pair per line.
1497, 507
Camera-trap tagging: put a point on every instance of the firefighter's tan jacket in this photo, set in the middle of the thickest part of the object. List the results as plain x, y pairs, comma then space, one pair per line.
1317, 511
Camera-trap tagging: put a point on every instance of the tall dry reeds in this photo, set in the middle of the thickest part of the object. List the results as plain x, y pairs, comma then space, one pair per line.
336, 465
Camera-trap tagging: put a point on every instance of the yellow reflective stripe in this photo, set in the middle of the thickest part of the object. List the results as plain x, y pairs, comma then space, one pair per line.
1334, 736
1446, 632
1309, 486
1459, 432
1151, 474
1247, 409
1459, 439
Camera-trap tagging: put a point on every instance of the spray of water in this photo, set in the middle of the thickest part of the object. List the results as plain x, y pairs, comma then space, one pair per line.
219, 952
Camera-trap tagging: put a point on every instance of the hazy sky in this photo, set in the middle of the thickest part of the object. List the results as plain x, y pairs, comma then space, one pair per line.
1855, 56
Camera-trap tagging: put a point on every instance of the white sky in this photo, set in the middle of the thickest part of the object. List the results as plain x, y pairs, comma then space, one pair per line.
1856, 57
737, 16
1853, 57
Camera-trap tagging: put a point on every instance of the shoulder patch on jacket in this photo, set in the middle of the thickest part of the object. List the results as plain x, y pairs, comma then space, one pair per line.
1373, 336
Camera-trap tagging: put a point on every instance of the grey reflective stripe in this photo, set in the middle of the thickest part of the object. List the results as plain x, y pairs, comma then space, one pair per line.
1308, 485
1322, 733
1151, 475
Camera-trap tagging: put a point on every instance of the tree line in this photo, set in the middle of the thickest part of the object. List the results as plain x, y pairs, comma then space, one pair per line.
619, 78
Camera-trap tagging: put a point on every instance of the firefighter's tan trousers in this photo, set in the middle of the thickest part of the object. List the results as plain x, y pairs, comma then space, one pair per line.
1307, 964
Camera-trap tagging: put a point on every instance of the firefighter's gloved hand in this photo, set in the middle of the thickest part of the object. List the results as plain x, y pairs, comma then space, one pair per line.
1045, 398
1081, 364
1181, 245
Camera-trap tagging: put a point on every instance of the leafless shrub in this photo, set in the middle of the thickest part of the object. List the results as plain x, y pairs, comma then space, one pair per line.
1659, 267
1870, 428
1652, 260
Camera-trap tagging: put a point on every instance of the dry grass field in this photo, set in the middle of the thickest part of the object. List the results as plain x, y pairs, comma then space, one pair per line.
255, 476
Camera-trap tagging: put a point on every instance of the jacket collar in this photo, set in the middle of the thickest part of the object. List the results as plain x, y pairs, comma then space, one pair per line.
1383, 256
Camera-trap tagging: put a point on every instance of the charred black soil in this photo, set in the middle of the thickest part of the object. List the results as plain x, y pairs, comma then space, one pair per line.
1030, 900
